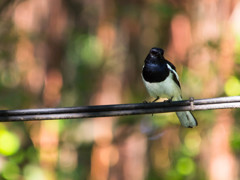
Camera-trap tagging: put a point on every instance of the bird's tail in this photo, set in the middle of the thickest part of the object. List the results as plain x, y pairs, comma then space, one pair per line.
186, 117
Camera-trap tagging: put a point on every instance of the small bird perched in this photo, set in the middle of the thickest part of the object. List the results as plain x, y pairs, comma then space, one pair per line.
161, 80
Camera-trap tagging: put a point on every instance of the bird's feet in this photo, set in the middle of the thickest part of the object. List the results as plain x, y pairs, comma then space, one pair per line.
155, 99
169, 100
152, 101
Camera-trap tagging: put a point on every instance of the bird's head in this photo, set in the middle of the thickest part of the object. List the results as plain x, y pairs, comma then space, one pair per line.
154, 56
156, 53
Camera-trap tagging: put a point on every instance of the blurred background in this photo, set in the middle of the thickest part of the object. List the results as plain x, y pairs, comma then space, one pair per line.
63, 53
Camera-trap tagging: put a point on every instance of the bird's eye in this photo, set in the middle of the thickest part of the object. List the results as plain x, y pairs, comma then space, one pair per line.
155, 53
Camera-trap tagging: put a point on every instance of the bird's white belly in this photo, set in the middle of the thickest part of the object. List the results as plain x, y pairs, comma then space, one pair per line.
165, 89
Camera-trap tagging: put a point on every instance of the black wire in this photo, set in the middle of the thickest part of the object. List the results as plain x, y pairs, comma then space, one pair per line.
119, 106
118, 109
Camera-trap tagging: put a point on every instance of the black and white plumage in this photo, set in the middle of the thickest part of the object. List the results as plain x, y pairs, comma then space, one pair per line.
161, 80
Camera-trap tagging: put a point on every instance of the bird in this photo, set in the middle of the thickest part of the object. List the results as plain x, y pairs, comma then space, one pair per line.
162, 81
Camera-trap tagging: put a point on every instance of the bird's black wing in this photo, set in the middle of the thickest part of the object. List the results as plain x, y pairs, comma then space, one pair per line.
173, 70
172, 66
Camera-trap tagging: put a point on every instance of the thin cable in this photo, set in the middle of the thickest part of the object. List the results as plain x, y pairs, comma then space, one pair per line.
118, 110
118, 107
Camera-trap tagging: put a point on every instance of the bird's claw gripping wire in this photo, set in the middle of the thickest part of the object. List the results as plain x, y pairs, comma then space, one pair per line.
169, 100
152, 101
155, 99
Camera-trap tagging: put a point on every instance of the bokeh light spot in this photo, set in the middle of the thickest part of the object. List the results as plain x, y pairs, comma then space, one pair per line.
91, 52
232, 86
85, 49
9, 143
33, 172
192, 141
10, 171
185, 166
